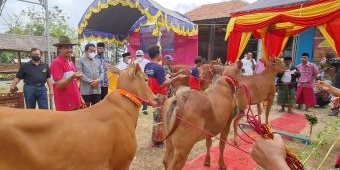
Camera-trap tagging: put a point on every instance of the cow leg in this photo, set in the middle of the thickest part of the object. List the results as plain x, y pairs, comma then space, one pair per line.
208, 143
223, 136
168, 153
259, 110
270, 103
180, 155
237, 120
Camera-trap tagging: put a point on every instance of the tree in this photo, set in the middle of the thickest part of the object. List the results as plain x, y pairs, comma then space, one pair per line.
13, 22
35, 23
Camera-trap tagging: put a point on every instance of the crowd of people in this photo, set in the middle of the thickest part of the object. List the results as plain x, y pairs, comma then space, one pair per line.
296, 84
85, 83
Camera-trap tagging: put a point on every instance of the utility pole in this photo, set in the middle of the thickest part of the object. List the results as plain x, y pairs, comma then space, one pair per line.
49, 57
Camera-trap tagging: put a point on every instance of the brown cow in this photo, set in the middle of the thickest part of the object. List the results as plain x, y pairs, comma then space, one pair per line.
211, 111
261, 87
101, 137
208, 72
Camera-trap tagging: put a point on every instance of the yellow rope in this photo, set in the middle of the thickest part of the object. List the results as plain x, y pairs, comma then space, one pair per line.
314, 149
330, 149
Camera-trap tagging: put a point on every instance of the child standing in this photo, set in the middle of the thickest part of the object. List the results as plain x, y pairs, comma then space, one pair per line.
194, 79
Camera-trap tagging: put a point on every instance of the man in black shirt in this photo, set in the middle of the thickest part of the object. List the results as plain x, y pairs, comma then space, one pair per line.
35, 74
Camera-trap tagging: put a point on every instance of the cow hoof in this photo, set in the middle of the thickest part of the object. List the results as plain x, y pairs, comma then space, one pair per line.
236, 143
207, 164
223, 167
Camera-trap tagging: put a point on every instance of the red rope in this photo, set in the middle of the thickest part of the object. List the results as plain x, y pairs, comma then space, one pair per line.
208, 133
255, 122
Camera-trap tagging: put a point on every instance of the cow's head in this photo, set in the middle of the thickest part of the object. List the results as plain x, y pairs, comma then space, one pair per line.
134, 80
234, 70
275, 64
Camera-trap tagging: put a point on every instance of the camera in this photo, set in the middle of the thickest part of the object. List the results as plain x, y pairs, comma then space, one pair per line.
334, 61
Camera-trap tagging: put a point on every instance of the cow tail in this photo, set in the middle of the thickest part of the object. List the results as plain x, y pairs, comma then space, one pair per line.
175, 110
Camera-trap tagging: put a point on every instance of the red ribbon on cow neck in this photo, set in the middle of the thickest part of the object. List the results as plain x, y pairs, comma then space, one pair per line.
262, 129
135, 98
232, 81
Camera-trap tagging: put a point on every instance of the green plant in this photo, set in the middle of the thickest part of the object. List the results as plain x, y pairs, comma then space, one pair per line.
313, 120
7, 57
323, 138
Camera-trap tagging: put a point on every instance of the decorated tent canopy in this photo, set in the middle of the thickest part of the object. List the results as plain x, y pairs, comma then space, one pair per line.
275, 21
182, 48
111, 20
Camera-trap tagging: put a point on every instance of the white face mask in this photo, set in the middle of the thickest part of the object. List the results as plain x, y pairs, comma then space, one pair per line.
139, 59
129, 61
92, 55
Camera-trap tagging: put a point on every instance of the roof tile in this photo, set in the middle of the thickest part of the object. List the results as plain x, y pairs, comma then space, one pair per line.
215, 10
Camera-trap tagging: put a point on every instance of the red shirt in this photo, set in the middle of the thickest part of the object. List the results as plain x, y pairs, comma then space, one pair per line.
194, 83
156, 77
69, 98
194, 79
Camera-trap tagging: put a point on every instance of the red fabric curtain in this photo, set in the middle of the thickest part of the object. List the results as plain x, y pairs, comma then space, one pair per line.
273, 42
234, 41
333, 30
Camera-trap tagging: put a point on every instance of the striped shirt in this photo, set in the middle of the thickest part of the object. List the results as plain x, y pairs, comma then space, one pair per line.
308, 74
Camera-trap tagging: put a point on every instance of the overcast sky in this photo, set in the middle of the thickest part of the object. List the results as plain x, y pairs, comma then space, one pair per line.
76, 8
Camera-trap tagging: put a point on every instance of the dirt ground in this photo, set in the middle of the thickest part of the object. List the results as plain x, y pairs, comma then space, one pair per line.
325, 134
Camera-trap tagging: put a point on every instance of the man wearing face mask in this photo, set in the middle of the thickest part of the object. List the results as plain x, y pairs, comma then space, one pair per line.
93, 72
125, 62
35, 74
142, 62
140, 59
103, 63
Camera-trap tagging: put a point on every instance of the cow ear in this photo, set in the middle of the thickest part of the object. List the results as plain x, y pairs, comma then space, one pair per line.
239, 64
137, 69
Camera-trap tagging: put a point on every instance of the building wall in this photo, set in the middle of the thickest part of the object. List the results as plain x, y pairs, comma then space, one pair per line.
305, 45
219, 46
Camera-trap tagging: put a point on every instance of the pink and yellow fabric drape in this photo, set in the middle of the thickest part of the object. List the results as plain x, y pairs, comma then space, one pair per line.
274, 26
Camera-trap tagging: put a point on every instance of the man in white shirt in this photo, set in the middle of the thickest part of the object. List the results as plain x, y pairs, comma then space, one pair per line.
248, 64
140, 59
142, 62
125, 62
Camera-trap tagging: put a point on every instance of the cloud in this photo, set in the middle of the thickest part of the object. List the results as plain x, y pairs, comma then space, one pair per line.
185, 7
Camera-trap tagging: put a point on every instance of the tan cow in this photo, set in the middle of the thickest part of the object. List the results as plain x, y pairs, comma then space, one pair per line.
211, 111
101, 137
208, 71
261, 88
